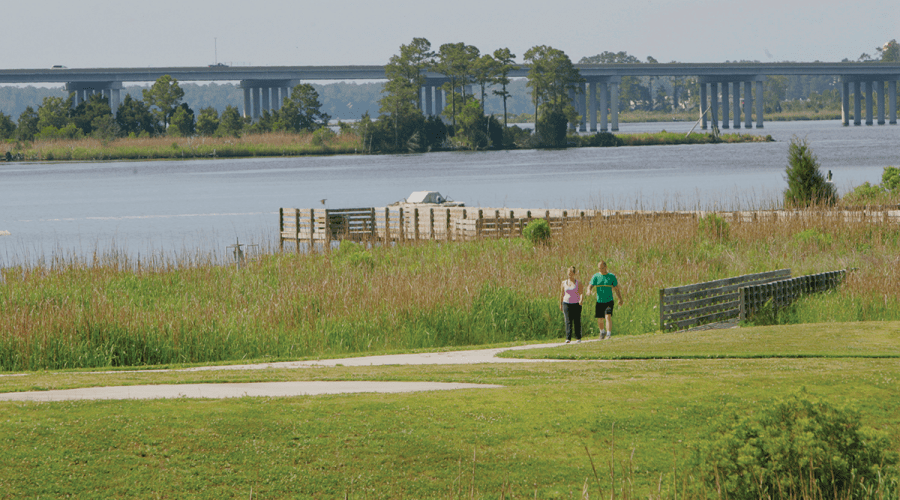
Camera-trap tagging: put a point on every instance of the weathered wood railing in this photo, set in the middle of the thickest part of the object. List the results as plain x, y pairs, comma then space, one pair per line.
395, 224
692, 305
784, 292
414, 223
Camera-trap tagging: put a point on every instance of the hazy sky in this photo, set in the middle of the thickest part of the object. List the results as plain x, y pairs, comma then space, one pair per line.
126, 33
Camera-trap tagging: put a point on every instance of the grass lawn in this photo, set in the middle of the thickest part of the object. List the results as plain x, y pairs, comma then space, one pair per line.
530, 438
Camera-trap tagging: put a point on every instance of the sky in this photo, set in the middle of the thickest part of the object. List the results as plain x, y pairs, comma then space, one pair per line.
160, 33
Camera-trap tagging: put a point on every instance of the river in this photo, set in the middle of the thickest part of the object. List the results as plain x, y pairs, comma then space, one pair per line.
204, 205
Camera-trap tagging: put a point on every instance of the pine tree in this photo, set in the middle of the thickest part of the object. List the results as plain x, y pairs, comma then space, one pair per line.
806, 184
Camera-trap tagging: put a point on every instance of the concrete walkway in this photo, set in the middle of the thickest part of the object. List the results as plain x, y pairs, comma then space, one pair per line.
281, 389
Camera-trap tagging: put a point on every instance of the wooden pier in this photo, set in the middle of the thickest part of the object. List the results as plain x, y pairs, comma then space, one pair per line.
312, 226
415, 223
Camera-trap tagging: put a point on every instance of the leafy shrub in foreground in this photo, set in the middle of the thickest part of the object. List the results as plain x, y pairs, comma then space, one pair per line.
797, 447
537, 231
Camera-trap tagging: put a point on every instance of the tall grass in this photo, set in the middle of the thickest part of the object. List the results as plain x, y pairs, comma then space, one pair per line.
268, 144
110, 311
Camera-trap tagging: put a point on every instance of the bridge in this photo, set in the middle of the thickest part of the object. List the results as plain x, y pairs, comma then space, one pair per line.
720, 86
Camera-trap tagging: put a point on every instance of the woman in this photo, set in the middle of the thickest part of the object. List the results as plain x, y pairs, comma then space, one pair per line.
570, 305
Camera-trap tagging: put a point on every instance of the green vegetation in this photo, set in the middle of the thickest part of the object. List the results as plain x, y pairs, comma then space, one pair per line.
154, 148
799, 447
808, 340
806, 184
537, 231
117, 312
637, 424
886, 193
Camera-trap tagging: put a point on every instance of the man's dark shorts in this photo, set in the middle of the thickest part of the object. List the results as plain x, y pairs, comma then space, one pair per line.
604, 308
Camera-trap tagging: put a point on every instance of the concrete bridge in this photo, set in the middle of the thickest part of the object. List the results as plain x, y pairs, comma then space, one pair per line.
720, 86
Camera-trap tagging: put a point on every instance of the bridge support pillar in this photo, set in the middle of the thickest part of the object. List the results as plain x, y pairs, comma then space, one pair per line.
614, 105
867, 91
427, 110
857, 108
582, 107
879, 88
84, 90
845, 102
748, 104
703, 106
438, 101
892, 102
604, 108
759, 104
260, 95
736, 89
592, 104
714, 104
725, 106
264, 95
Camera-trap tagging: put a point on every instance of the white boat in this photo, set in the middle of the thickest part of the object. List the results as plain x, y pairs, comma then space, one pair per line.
428, 198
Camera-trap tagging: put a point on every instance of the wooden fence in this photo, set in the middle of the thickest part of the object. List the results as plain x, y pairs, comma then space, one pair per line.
784, 292
691, 305
309, 226
397, 224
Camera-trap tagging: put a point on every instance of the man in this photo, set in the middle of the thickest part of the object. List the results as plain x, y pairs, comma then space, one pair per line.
605, 283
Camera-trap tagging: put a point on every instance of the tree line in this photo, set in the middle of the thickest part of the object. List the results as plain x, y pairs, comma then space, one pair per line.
161, 111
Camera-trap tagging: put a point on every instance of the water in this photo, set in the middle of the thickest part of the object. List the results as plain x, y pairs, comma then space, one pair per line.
205, 205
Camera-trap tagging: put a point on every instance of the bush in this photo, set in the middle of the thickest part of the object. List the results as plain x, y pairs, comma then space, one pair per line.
806, 184
796, 447
713, 227
890, 179
537, 231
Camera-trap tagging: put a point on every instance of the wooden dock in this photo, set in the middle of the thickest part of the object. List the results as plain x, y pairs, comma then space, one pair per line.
414, 223
311, 226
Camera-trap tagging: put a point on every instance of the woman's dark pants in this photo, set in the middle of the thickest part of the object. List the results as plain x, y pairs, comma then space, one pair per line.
572, 313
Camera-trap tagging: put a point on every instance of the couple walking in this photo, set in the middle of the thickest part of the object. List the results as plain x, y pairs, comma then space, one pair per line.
605, 283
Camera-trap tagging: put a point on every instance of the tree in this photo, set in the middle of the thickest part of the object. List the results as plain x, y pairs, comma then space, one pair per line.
28, 122
506, 60
7, 126
890, 52
134, 117
551, 76
165, 95
456, 61
302, 110
54, 112
231, 122
806, 184
401, 94
182, 121
208, 121
83, 115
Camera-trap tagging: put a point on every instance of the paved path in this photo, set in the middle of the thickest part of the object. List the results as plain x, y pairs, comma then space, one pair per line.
279, 389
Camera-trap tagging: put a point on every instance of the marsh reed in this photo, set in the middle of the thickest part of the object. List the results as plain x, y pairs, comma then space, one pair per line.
163, 147
111, 311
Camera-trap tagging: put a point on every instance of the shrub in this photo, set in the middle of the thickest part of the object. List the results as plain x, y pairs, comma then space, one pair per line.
713, 227
890, 179
599, 140
806, 184
796, 447
537, 231
322, 136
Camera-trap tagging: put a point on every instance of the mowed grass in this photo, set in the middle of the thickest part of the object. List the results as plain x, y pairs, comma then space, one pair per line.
637, 418
823, 340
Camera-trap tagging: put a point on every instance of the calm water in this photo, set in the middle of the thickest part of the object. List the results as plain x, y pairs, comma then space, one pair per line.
175, 206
